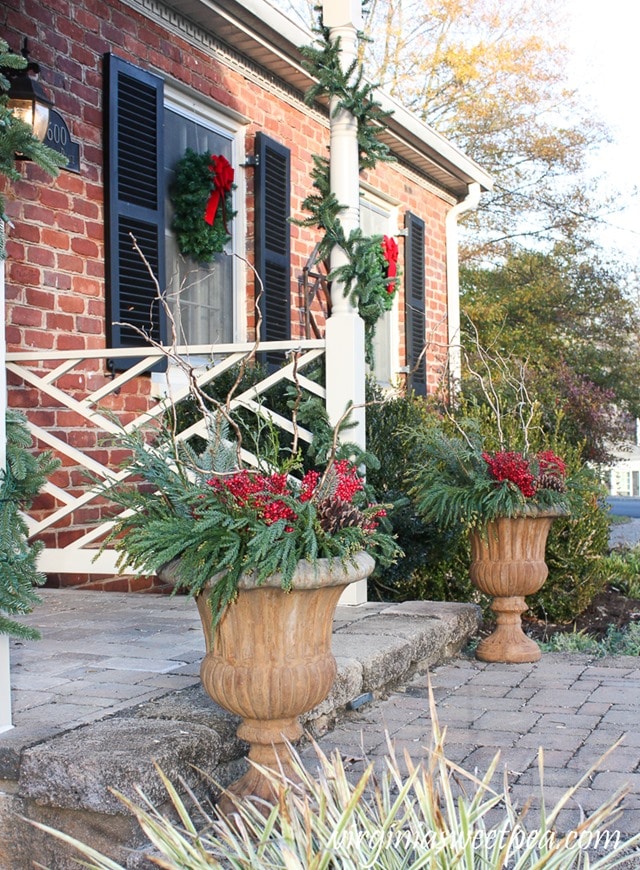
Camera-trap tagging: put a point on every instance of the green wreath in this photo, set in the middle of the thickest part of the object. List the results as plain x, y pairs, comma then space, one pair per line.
193, 187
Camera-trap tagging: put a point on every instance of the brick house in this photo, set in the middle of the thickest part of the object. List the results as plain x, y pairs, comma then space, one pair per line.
135, 83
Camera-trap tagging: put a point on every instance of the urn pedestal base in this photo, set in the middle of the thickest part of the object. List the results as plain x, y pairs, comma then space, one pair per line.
268, 750
508, 643
507, 562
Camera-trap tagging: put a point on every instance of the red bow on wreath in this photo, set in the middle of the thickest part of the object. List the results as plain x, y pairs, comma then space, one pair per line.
390, 251
222, 173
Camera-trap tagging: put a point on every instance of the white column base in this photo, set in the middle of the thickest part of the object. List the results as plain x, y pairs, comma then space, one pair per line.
5, 685
355, 593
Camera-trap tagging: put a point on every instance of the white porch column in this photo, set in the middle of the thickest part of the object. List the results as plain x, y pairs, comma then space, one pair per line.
5, 675
345, 329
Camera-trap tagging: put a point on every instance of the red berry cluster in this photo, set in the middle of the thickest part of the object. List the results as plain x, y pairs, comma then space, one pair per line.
259, 492
511, 466
308, 485
349, 482
371, 525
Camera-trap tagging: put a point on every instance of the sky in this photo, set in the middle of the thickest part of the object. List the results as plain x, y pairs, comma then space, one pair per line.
603, 37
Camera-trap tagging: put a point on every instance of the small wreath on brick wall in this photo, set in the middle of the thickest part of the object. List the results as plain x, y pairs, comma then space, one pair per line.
201, 199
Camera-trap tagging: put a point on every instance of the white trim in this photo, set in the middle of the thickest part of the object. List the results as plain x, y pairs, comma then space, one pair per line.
5, 685
200, 106
470, 202
232, 125
387, 208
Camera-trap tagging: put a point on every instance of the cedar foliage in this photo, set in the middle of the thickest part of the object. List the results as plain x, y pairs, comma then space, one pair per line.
177, 514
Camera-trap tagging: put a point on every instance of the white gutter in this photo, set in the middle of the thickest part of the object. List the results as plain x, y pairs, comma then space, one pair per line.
424, 138
453, 280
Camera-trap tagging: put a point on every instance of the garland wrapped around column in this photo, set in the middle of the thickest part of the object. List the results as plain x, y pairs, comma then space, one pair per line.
201, 199
371, 275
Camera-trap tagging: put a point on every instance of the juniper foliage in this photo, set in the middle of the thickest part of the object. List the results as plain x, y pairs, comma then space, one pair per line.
21, 482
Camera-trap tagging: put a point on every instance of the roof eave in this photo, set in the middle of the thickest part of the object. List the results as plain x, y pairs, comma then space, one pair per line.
262, 33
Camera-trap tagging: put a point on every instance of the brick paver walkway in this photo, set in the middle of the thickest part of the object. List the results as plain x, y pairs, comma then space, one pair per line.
573, 706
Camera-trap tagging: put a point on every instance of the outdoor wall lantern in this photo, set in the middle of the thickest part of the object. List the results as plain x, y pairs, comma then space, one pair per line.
28, 99
30, 102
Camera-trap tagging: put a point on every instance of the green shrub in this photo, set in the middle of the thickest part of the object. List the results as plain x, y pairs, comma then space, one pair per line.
616, 642
436, 562
624, 567
572, 642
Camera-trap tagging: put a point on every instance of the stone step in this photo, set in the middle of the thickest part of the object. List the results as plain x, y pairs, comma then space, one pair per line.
66, 779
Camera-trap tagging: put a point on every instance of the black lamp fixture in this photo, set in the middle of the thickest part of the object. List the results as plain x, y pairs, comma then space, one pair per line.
28, 100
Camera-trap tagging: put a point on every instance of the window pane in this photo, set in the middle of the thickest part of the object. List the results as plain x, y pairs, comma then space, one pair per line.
200, 297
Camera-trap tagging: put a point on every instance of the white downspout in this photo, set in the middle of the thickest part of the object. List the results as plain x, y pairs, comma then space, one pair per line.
453, 280
5, 671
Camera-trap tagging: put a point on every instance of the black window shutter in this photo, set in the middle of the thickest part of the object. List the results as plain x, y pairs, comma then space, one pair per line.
273, 236
414, 285
134, 198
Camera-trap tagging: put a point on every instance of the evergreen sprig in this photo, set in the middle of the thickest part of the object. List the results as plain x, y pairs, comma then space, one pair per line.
189, 195
22, 480
353, 93
451, 485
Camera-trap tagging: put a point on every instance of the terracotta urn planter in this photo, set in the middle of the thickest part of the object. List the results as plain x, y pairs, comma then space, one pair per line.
269, 660
508, 562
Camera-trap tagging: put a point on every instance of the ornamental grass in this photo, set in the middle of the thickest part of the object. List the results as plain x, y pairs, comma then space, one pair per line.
434, 815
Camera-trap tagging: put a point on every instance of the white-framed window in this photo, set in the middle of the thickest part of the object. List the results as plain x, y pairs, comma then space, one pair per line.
378, 217
205, 300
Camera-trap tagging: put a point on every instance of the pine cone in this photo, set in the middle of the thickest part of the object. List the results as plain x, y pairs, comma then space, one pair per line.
551, 481
334, 514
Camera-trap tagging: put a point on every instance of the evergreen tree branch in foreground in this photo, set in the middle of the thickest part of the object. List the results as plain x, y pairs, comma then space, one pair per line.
20, 483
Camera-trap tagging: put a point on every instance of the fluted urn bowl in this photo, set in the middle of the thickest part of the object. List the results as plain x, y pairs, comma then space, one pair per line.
269, 660
508, 563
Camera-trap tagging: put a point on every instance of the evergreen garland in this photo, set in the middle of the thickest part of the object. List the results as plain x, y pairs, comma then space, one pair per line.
16, 137
365, 275
190, 192
21, 481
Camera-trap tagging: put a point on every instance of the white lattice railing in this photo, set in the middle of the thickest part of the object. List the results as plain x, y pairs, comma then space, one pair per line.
46, 372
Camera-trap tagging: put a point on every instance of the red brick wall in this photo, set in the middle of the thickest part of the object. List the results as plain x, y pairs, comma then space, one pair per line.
55, 268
